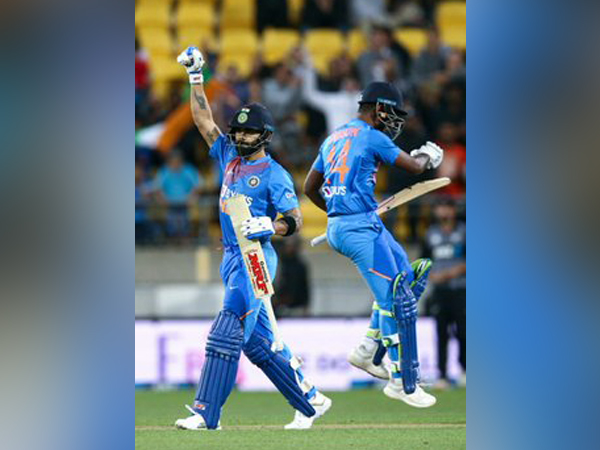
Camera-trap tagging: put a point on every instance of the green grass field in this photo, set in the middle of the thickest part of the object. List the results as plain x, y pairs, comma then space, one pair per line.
362, 419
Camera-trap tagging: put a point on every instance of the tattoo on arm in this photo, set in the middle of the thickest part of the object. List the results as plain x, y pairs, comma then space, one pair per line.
201, 100
213, 135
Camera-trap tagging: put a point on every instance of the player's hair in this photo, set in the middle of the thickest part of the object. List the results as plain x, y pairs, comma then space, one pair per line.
365, 108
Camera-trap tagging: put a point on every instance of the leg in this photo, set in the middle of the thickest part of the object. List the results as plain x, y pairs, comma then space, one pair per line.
280, 367
459, 308
443, 321
368, 355
223, 349
379, 259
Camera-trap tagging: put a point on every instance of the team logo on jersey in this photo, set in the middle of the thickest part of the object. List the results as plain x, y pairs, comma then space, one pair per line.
253, 181
242, 117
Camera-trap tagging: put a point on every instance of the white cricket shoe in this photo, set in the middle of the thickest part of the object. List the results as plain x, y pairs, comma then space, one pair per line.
194, 422
362, 359
301, 422
419, 399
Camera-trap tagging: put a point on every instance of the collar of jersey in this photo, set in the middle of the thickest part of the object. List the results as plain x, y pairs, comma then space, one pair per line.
362, 122
256, 161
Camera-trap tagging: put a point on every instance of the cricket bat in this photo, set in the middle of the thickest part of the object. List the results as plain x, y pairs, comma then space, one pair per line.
399, 198
255, 263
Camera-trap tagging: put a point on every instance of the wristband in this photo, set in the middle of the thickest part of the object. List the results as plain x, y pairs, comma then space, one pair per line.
291, 223
196, 78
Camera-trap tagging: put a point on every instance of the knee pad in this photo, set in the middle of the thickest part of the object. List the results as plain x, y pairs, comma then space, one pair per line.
282, 372
405, 311
223, 349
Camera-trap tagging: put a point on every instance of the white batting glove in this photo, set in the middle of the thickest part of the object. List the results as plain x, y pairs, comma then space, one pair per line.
191, 58
434, 151
257, 227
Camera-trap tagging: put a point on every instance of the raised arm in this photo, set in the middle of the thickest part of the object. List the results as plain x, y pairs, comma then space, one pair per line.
192, 60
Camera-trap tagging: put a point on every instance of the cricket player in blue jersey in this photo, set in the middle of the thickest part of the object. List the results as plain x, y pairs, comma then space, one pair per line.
341, 182
243, 323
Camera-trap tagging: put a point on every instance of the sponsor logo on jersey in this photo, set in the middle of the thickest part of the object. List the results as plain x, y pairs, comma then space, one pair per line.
226, 194
331, 191
289, 195
253, 181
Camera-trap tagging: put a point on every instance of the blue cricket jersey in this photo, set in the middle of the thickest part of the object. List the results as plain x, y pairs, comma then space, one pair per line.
349, 159
268, 186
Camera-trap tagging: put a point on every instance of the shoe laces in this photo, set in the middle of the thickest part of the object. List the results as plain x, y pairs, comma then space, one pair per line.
190, 409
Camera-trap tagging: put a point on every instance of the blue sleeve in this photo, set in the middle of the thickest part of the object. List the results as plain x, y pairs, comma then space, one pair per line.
281, 191
318, 164
222, 150
383, 148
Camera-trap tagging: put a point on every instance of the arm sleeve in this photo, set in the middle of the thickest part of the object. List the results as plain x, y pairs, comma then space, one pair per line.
383, 148
282, 193
318, 164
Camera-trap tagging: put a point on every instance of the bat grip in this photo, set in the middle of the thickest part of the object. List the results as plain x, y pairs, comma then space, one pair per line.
318, 240
277, 345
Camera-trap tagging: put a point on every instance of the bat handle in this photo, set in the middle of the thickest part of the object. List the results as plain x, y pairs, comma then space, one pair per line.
277, 345
318, 240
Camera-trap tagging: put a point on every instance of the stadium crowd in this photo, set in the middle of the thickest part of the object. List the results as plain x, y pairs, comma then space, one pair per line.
177, 184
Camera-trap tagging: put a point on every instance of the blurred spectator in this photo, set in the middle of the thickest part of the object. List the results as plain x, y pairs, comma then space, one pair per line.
143, 226
455, 70
282, 95
455, 160
271, 13
340, 69
452, 108
445, 244
407, 13
177, 185
338, 107
367, 11
142, 81
325, 14
292, 283
431, 60
382, 53
235, 93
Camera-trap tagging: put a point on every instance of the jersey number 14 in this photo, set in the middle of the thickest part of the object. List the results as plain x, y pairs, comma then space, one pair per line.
339, 160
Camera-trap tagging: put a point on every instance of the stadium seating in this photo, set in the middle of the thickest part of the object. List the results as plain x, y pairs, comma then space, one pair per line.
210, 3
153, 14
201, 15
357, 43
452, 23
295, 11
238, 14
243, 63
454, 36
199, 37
414, 39
234, 42
238, 47
452, 13
324, 45
157, 41
164, 71
277, 43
